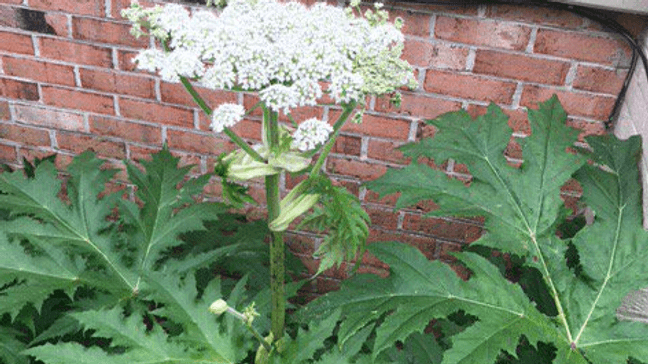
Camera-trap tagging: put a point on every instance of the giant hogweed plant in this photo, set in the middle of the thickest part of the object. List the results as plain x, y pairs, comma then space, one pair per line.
289, 56
569, 313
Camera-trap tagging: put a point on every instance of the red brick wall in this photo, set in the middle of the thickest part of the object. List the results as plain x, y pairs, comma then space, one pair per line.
67, 84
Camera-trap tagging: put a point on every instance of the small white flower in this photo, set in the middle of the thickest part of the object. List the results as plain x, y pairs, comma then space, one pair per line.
311, 133
226, 116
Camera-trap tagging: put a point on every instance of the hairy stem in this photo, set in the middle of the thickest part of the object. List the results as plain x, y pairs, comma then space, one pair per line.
277, 248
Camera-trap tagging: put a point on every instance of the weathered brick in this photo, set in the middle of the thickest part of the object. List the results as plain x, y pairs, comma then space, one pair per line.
518, 120
581, 46
79, 143
24, 135
198, 142
119, 5
484, 33
49, 118
5, 113
103, 31
156, 113
78, 53
425, 53
85, 7
117, 82
141, 133
16, 43
125, 61
386, 151
248, 129
388, 200
38, 71
520, 67
415, 23
588, 128
20, 90
353, 168
540, 15
593, 106
8, 153
385, 218
469, 86
599, 79
349, 145
11, 1
416, 105
375, 125
442, 228
78, 100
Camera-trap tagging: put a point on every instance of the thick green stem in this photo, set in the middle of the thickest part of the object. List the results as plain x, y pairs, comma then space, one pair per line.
277, 248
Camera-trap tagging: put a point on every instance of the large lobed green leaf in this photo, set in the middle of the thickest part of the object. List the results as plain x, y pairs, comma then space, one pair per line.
522, 207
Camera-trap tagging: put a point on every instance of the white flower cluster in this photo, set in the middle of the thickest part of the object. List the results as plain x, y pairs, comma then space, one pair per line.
285, 51
311, 133
226, 116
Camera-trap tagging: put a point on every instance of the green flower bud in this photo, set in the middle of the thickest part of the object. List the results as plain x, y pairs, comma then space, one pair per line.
219, 307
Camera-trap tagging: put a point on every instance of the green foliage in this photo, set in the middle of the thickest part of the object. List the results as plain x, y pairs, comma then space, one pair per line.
87, 275
586, 276
344, 220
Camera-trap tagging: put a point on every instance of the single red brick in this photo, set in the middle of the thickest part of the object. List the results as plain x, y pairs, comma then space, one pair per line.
599, 79
59, 23
437, 55
85, 7
248, 129
537, 15
5, 113
78, 53
39, 71
198, 142
581, 46
520, 67
442, 228
572, 187
353, 168
79, 100
386, 151
16, 43
597, 107
103, 31
79, 143
8, 153
156, 113
147, 134
11, 1
117, 82
20, 90
49, 118
484, 33
469, 86
374, 125
417, 105
387, 219
348, 145
25, 135
415, 23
